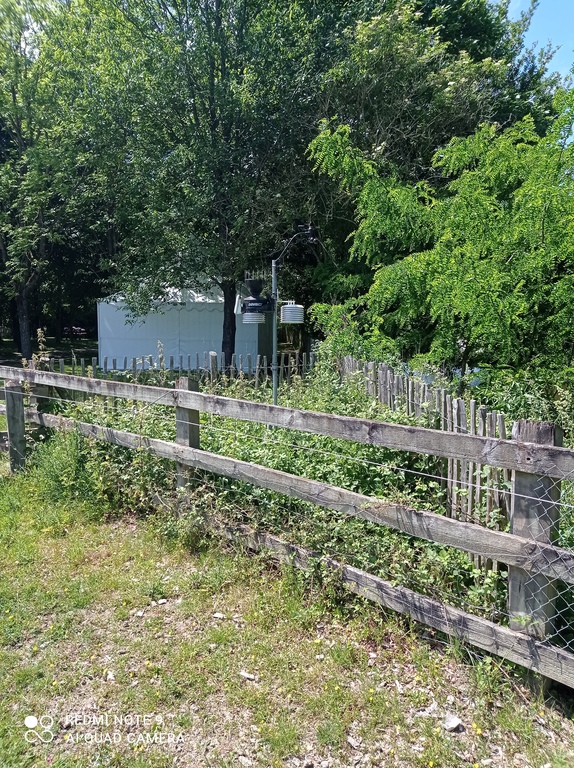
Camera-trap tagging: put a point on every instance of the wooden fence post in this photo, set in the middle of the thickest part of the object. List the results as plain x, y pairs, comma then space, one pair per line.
16, 425
534, 515
213, 367
187, 428
40, 396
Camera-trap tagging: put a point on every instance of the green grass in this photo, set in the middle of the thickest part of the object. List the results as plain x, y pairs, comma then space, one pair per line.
82, 631
82, 347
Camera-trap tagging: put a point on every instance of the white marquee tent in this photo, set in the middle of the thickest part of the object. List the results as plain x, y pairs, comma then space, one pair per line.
187, 323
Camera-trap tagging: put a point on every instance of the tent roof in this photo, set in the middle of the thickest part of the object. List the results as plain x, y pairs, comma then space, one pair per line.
183, 299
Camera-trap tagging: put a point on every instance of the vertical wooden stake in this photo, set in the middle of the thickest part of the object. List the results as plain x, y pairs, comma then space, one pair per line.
490, 472
370, 379
16, 425
450, 462
187, 428
504, 474
257, 370
471, 477
418, 399
213, 367
392, 389
534, 515
464, 479
383, 384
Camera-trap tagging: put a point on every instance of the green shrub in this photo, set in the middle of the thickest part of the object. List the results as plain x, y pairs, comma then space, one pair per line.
130, 481
59, 467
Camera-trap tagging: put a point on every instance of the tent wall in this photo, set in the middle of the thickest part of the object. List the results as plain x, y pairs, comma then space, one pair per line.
195, 327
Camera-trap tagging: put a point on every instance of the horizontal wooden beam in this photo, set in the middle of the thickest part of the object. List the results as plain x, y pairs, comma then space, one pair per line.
533, 556
547, 660
524, 457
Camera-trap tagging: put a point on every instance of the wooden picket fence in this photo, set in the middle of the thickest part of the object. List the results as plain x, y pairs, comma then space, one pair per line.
205, 366
474, 492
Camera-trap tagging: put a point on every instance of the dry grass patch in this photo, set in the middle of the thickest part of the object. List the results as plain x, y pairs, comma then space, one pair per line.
228, 661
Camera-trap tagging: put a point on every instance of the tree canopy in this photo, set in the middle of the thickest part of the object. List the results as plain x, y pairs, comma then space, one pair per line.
491, 275
172, 144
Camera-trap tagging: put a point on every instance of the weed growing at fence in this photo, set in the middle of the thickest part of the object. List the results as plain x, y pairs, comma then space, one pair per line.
134, 482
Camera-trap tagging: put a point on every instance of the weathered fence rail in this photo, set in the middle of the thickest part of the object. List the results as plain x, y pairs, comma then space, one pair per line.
527, 457
517, 647
528, 549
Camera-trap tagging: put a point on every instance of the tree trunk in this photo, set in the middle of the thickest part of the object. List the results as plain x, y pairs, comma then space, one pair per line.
13, 316
58, 324
24, 325
228, 345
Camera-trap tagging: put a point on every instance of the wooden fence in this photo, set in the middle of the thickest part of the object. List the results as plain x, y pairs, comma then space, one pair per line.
203, 367
528, 550
474, 491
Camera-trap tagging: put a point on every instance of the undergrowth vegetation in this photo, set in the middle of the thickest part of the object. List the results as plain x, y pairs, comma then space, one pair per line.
134, 481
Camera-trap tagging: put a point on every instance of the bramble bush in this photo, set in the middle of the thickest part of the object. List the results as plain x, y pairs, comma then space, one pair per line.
126, 481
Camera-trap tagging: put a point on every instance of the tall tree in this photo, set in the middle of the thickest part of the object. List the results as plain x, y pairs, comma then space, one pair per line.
494, 284
45, 214
413, 76
409, 82
24, 196
199, 116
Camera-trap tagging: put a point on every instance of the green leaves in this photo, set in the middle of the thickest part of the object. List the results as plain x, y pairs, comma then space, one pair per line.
391, 215
496, 283
480, 269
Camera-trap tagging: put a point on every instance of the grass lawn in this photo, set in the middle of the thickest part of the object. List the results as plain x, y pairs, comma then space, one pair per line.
132, 650
80, 347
